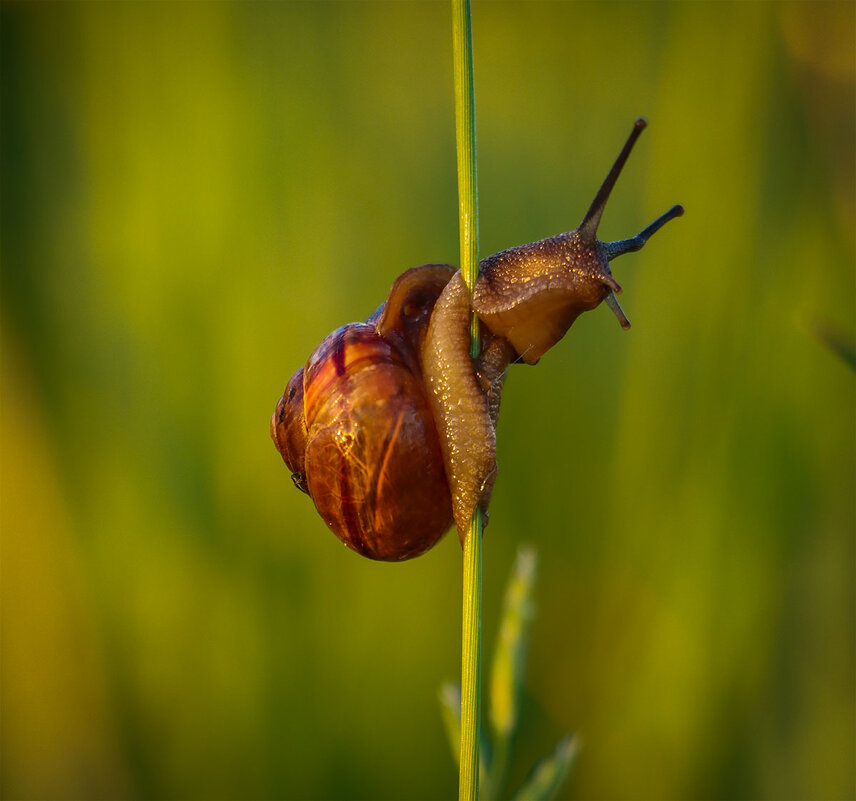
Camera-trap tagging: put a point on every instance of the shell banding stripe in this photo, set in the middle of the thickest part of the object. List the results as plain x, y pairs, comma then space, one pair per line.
348, 506
340, 356
359, 513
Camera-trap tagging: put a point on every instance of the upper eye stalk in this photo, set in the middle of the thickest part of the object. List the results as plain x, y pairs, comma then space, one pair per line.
612, 250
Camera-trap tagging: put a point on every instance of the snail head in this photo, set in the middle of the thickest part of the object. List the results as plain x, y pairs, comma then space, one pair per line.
532, 294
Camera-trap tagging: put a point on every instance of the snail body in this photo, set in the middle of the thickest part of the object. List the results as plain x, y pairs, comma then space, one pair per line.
390, 426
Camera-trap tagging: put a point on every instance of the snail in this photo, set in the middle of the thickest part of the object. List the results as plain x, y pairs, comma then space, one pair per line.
390, 426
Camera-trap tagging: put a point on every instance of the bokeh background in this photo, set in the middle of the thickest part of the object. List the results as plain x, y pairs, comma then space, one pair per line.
194, 194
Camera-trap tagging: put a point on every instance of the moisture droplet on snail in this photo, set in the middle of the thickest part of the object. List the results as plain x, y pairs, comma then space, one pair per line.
390, 426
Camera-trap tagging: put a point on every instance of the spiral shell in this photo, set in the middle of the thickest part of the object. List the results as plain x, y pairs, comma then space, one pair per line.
356, 428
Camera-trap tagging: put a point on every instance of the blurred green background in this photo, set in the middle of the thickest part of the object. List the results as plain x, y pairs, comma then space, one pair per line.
194, 194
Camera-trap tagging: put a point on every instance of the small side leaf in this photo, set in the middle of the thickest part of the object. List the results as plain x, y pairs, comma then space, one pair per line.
548, 776
450, 704
840, 343
509, 664
510, 656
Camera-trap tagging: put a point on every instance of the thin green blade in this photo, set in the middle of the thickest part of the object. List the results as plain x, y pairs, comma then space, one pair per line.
548, 776
450, 704
840, 343
509, 664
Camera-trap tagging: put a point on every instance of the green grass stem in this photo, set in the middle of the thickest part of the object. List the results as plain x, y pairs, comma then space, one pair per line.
465, 129
468, 783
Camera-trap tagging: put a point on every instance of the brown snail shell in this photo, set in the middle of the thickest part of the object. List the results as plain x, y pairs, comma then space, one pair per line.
356, 428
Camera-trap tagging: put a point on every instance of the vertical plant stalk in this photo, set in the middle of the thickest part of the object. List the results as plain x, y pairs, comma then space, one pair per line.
468, 781
465, 129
